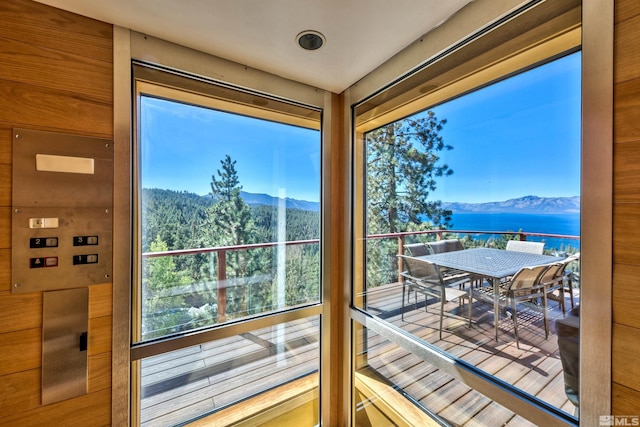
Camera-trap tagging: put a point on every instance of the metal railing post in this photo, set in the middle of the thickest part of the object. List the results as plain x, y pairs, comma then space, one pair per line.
400, 252
222, 286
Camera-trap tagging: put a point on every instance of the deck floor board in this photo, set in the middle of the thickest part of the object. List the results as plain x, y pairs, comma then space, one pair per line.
216, 374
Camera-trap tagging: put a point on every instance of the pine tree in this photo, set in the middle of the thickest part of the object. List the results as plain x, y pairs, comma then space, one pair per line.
402, 170
230, 223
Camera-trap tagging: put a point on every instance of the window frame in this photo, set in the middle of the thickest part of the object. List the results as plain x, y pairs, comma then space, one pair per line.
177, 87
290, 97
596, 218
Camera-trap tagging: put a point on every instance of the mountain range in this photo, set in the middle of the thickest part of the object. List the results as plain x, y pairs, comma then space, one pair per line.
253, 199
524, 205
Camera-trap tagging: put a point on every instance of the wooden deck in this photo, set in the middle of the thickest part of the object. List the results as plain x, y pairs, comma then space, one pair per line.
535, 367
188, 383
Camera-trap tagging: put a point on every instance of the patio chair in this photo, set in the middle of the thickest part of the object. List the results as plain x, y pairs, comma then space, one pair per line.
526, 246
417, 249
564, 283
424, 277
453, 245
437, 247
448, 245
553, 280
524, 286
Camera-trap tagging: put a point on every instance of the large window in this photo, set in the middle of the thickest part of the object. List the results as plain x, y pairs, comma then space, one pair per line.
457, 167
228, 288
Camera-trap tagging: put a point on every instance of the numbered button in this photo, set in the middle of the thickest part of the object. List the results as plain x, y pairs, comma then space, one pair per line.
43, 242
85, 240
85, 259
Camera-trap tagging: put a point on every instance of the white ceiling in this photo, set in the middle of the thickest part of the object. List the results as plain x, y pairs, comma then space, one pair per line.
360, 34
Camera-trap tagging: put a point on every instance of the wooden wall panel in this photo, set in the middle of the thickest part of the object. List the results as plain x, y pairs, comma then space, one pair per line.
56, 29
625, 398
20, 312
625, 350
626, 163
35, 65
626, 9
5, 227
5, 270
626, 233
627, 54
626, 115
100, 300
40, 107
19, 392
626, 298
20, 351
6, 137
90, 410
5, 184
99, 335
99, 372
56, 75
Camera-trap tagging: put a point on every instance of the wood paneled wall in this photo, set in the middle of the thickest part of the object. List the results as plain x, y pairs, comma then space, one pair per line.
56, 75
626, 211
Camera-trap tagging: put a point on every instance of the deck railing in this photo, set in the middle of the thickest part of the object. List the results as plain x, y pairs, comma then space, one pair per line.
222, 251
440, 234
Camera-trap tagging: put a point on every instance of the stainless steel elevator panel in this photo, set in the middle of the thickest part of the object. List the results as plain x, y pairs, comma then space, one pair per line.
65, 323
62, 198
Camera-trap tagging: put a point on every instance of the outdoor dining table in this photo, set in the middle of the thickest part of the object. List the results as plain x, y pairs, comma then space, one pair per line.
493, 264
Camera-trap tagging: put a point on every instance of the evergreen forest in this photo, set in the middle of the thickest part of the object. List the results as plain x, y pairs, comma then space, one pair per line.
180, 292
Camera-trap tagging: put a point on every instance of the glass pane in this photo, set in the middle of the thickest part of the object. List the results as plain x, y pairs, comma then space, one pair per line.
207, 379
395, 384
474, 186
230, 216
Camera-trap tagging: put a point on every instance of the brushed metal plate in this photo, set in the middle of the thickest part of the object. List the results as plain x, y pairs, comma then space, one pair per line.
62, 192
32, 188
65, 318
72, 223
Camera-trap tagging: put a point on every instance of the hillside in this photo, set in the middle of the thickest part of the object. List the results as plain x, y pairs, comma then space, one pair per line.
526, 204
253, 199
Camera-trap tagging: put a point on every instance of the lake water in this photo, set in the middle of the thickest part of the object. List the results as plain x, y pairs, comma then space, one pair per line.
565, 224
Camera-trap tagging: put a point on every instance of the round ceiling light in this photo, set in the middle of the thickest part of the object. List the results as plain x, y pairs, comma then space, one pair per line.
310, 40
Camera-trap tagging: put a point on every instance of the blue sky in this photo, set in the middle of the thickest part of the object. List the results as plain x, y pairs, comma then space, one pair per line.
518, 137
182, 147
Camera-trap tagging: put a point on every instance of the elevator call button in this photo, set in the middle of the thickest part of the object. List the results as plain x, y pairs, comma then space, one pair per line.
85, 240
85, 259
41, 262
43, 242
